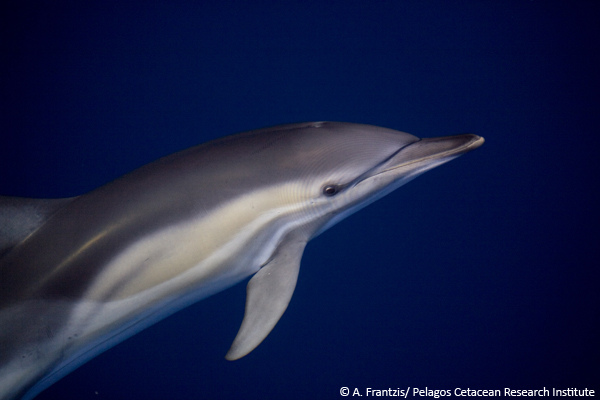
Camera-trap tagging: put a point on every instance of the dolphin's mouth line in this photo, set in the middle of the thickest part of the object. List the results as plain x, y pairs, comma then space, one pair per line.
368, 174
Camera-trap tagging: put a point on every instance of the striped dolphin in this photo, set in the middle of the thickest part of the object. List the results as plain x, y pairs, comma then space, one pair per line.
79, 275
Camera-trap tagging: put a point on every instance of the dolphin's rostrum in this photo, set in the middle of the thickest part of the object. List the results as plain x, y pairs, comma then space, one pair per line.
79, 275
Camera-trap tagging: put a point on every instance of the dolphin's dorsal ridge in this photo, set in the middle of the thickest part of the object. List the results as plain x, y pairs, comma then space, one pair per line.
19, 217
267, 296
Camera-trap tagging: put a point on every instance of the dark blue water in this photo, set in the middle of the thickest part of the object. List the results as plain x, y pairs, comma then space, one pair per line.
480, 274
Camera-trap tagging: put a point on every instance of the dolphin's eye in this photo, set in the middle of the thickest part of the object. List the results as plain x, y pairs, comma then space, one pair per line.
330, 190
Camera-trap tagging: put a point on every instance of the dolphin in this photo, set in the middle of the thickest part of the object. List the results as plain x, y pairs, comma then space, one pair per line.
78, 275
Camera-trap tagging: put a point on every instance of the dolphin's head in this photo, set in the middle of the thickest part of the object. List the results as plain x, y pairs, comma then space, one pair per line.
342, 167
313, 175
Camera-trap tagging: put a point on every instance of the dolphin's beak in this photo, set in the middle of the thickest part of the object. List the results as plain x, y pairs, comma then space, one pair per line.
441, 147
425, 154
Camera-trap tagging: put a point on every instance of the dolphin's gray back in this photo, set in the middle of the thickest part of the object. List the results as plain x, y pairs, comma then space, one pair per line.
20, 217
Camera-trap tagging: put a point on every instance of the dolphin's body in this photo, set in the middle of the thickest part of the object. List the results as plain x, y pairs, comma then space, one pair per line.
79, 275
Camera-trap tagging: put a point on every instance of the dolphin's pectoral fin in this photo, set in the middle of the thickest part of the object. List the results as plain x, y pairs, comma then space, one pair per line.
267, 296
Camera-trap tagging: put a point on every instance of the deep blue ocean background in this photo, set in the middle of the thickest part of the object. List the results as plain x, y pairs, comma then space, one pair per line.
481, 274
